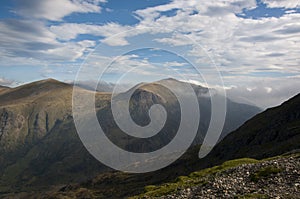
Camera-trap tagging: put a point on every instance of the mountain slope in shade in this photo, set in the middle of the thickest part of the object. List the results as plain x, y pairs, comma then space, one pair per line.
270, 133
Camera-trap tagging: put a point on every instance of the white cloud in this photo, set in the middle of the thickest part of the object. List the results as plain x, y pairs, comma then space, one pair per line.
32, 40
282, 3
174, 63
6, 82
68, 31
268, 89
265, 91
175, 40
115, 41
205, 8
56, 10
70, 51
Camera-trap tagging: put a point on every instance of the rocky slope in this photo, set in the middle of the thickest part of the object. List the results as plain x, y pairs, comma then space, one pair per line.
277, 177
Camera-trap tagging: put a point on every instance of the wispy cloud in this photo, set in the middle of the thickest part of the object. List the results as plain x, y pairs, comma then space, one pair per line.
282, 3
6, 82
55, 10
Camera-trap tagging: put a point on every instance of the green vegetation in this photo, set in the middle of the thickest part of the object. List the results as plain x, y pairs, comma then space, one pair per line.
264, 173
253, 196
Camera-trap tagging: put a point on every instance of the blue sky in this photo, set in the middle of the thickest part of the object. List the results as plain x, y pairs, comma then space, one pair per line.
253, 44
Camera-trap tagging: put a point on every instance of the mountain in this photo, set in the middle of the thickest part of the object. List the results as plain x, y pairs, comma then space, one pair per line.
39, 146
273, 132
3, 89
145, 95
101, 86
38, 137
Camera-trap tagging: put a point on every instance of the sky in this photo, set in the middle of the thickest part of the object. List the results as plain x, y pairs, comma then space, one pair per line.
249, 47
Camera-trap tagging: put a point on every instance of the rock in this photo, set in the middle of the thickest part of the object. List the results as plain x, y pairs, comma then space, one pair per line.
278, 179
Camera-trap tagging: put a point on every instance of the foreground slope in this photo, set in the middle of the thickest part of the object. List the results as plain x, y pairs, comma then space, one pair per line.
277, 177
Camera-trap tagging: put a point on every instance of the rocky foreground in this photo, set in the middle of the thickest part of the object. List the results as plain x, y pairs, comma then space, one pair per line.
272, 178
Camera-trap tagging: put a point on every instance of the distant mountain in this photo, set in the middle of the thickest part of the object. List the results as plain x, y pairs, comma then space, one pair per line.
39, 145
101, 86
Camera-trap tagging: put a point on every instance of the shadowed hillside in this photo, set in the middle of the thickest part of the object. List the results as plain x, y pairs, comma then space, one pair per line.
272, 132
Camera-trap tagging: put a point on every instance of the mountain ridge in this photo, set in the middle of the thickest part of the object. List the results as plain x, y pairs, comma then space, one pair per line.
38, 135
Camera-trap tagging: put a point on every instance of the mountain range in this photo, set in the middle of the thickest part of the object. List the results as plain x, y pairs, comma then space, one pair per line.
223, 173
39, 146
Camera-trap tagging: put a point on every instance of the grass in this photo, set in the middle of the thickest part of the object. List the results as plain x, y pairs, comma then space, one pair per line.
264, 173
253, 196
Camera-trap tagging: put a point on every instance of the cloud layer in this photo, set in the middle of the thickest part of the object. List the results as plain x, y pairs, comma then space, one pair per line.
254, 54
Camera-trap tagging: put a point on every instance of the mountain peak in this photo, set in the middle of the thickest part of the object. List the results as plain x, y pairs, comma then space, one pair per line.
172, 80
33, 90
48, 81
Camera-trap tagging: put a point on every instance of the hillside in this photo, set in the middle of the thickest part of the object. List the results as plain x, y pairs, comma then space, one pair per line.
272, 132
38, 137
3, 89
